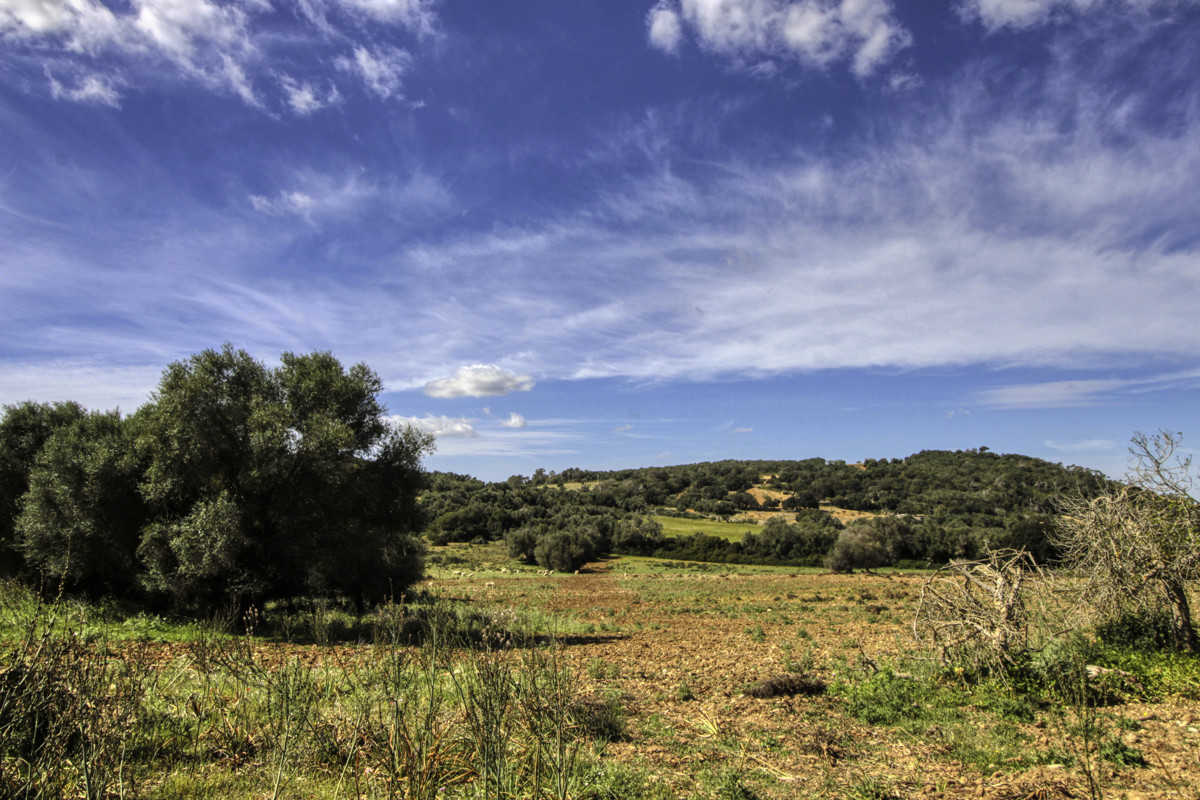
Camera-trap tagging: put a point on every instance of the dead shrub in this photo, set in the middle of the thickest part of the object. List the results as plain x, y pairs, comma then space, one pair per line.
786, 686
979, 615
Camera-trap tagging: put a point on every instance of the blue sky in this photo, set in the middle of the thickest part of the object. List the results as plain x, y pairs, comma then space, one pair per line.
617, 233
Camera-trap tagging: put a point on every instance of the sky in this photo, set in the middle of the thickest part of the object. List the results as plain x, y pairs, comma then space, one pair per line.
621, 233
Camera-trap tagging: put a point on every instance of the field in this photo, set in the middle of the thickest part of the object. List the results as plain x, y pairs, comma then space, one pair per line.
633, 678
681, 643
679, 526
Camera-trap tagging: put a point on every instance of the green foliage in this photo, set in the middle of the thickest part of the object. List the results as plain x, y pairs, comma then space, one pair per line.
235, 483
933, 506
886, 698
24, 429
277, 483
564, 551
81, 516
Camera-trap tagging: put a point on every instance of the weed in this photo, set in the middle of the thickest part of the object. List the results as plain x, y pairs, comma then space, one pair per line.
866, 787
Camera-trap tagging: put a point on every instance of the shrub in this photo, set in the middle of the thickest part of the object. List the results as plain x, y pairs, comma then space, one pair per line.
564, 551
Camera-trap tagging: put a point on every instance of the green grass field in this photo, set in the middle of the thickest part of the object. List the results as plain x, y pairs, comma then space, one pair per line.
676, 526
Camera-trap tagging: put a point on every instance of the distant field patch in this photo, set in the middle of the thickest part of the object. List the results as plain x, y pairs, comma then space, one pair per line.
731, 531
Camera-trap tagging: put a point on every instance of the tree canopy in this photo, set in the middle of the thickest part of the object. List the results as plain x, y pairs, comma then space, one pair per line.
235, 483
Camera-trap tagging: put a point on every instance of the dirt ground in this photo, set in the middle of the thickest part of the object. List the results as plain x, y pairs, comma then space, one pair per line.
680, 648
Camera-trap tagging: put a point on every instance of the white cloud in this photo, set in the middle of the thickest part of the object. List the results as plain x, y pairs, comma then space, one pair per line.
205, 40
515, 421
415, 14
1022, 14
439, 426
304, 98
664, 27
181, 28
91, 89
95, 384
381, 70
313, 195
1018, 13
1065, 394
743, 430
84, 24
479, 380
817, 33
284, 203
227, 46
1052, 394
1087, 446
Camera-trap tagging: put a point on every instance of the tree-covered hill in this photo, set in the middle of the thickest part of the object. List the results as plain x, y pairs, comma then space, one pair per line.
931, 506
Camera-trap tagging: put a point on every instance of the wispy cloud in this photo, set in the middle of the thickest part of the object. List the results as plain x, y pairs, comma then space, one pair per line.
381, 69
1086, 446
93, 89
1078, 393
95, 384
1021, 14
1052, 394
227, 47
440, 426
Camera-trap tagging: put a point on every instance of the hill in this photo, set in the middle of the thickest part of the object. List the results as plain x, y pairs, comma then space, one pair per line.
929, 507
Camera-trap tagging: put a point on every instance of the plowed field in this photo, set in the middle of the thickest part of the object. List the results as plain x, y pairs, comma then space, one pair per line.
681, 644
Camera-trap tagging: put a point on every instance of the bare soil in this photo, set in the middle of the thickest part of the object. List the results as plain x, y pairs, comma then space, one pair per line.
680, 649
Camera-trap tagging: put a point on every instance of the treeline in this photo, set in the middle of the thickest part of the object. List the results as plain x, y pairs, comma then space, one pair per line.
930, 482
235, 483
931, 507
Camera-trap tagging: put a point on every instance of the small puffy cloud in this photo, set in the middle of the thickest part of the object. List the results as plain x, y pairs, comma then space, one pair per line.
515, 421
439, 426
623, 428
381, 70
92, 89
664, 28
815, 32
304, 98
479, 380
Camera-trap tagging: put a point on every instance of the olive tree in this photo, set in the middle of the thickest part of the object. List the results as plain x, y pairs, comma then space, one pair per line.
277, 483
1137, 546
82, 514
24, 429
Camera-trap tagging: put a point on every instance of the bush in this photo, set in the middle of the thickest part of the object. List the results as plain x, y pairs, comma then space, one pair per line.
857, 547
564, 551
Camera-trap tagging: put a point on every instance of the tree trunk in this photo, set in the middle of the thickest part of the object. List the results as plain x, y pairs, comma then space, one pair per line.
1181, 617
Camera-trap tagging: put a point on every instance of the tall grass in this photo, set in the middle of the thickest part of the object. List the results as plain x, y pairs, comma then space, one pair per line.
440, 704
